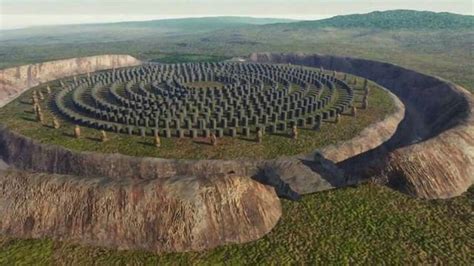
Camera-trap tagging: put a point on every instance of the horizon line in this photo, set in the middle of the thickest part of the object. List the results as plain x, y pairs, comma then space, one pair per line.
149, 18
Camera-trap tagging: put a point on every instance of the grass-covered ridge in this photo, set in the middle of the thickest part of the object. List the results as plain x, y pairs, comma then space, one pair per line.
432, 43
395, 19
369, 224
19, 117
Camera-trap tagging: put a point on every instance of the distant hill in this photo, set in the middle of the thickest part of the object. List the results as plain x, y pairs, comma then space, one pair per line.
204, 22
178, 24
118, 31
394, 19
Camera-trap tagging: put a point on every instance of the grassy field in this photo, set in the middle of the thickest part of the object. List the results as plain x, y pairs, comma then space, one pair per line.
19, 116
428, 44
369, 224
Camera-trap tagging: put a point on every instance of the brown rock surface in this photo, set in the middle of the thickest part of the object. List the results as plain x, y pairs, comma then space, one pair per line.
161, 215
370, 138
120, 201
15, 80
431, 154
27, 154
303, 176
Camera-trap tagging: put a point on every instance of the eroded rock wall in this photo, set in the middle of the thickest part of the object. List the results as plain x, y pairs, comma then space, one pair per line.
14, 81
431, 154
161, 215
370, 138
119, 201
27, 154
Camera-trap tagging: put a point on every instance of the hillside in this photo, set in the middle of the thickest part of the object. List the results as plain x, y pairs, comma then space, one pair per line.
129, 30
434, 43
395, 19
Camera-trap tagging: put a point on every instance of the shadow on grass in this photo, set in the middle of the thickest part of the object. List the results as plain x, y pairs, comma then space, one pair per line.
202, 141
281, 134
94, 139
28, 119
71, 135
323, 169
248, 139
145, 143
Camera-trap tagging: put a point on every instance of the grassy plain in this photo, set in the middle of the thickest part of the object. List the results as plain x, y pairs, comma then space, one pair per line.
19, 116
369, 224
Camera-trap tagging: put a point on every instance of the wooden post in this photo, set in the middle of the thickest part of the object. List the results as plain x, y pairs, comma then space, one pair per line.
40, 117
365, 103
34, 99
294, 132
213, 139
103, 136
157, 140
259, 135
77, 132
55, 123
354, 111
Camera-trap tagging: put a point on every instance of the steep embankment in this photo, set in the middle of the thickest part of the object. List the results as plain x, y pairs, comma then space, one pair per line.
431, 155
161, 215
27, 154
14, 81
121, 201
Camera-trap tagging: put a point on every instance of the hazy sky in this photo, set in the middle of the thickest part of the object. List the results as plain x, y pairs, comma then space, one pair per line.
23, 13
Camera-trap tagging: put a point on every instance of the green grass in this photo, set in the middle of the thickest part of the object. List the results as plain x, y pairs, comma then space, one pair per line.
369, 224
364, 225
19, 117
180, 58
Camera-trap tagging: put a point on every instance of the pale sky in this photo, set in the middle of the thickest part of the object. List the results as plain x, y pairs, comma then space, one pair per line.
25, 13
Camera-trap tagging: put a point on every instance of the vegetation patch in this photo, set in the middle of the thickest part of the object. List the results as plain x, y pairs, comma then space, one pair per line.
321, 126
21, 116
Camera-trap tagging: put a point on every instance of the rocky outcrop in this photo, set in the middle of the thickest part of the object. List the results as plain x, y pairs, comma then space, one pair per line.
369, 138
27, 154
121, 201
14, 81
161, 215
180, 205
431, 154
3, 165
296, 176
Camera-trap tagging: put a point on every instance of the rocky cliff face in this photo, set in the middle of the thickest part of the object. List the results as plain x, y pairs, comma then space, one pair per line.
27, 154
370, 138
161, 215
179, 205
15, 80
431, 155
120, 201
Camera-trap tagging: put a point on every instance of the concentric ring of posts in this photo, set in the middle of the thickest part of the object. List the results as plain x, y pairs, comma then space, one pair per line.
160, 99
